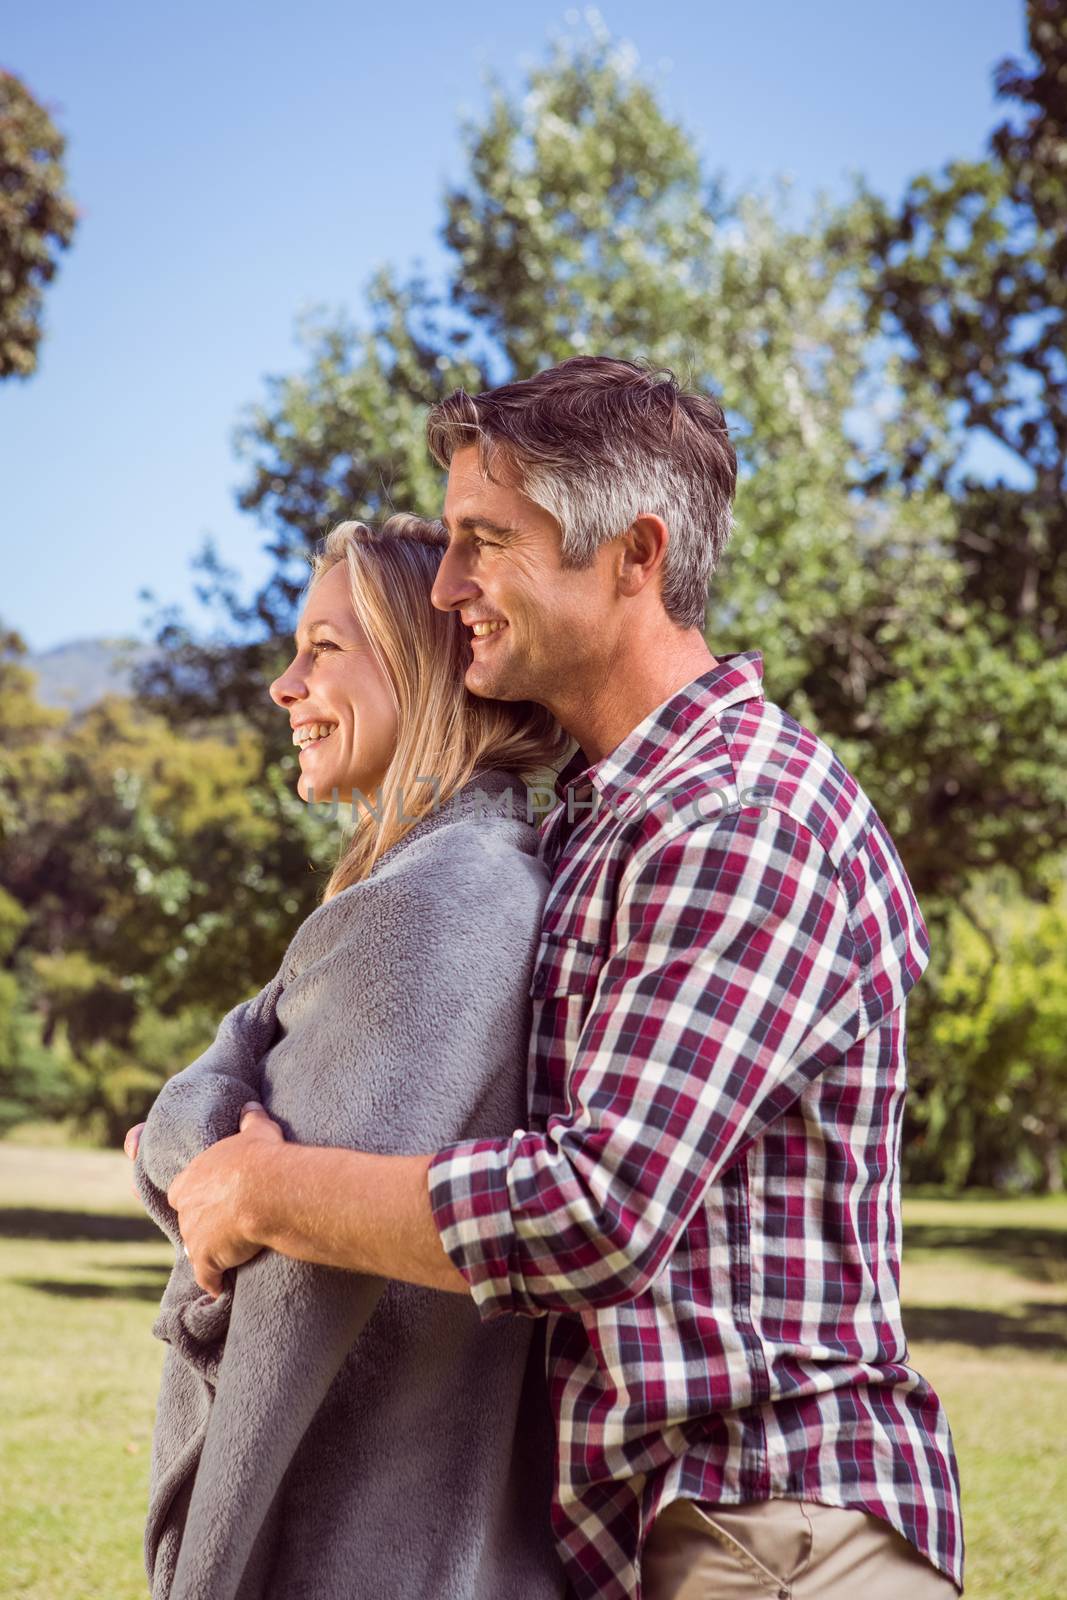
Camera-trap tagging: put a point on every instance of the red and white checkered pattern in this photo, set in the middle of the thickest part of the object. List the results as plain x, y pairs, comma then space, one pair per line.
706, 1202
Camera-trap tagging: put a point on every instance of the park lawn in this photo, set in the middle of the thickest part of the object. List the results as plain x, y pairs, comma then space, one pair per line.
984, 1284
82, 1270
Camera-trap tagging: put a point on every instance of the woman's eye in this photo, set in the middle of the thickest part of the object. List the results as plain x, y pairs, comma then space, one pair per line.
323, 644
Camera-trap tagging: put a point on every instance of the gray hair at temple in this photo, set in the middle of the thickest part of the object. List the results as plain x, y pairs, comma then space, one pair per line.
598, 442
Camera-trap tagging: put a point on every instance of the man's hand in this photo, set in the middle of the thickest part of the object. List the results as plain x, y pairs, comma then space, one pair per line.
337, 1207
212, 1198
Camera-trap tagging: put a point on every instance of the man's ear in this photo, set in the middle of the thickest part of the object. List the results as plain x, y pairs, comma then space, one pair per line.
643, 548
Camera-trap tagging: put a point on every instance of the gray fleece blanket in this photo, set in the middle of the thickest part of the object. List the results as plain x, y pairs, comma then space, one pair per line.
321, 1433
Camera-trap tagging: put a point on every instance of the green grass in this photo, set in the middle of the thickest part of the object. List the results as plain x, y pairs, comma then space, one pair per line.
82, 1270
985, 1295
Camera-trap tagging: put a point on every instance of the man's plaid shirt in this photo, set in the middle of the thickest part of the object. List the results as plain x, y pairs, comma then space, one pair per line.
706, 1204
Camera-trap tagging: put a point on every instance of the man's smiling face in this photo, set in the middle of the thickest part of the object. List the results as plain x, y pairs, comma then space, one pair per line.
537, 629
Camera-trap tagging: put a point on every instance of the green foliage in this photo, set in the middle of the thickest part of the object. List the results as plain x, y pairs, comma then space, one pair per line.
971, 273
969, 281
992, 1061
585, 223
110, 1080
27, 755
37, 219
346, 438
151, 878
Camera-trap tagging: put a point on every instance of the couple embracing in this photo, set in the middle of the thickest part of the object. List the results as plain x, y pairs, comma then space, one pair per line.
537, 1225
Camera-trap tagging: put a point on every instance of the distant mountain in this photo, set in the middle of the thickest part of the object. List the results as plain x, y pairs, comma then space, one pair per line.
74, 676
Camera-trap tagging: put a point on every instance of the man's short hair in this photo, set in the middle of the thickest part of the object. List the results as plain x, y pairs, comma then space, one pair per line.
598, 442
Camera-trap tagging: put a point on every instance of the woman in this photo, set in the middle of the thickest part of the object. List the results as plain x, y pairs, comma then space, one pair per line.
322, 1433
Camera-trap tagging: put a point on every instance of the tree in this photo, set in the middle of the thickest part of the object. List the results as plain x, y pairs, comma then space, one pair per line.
584, 221
968, 279
37, 220
150, 879
623, 243
991, 1107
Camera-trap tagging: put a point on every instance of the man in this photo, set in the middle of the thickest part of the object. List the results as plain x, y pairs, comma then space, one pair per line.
706, 1202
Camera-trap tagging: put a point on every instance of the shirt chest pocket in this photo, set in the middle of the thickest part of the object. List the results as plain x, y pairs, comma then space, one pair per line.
566, 967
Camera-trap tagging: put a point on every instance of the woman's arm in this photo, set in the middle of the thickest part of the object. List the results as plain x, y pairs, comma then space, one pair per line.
202, 1103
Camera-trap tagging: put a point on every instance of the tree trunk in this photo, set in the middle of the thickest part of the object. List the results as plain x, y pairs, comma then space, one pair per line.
1051, 1153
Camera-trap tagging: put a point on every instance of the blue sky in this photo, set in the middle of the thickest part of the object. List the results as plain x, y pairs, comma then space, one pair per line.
236, 162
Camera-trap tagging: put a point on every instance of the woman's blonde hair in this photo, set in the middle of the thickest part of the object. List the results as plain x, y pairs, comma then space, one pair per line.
444, 732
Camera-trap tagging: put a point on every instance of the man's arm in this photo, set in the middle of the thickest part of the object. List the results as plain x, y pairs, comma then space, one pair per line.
350, 1209
732, 980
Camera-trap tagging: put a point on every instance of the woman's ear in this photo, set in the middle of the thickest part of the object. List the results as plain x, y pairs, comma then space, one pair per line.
642, 550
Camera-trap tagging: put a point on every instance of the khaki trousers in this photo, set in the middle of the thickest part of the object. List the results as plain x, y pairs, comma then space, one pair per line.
783, 1550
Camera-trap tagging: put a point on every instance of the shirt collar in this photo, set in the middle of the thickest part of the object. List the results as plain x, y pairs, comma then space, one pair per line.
735, 677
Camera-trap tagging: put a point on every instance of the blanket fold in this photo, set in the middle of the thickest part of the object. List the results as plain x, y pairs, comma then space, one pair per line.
321, 1432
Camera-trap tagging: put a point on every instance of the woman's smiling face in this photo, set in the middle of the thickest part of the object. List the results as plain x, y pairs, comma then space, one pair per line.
338, 699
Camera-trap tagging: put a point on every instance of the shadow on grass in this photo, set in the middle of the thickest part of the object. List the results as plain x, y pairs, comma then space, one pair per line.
33, 1222
1035, 1326
1039, 1254
94, 1291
